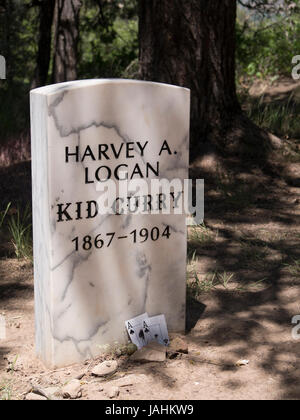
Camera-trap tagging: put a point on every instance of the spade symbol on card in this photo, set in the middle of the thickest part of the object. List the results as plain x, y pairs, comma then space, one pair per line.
141, 335
130, 329
158, 329
147, 333
135, 330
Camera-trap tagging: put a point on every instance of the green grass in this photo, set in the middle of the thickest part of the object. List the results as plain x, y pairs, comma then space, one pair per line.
279, 117
5, 391
207, 282
253, 286
200, 236
198, 285
3, 215
253, 253
19, 227
12, 365
225, 278
7, 384
294, 268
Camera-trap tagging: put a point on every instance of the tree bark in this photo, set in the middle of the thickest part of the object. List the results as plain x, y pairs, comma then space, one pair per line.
7, 8
191, 43
66, 40
44, 44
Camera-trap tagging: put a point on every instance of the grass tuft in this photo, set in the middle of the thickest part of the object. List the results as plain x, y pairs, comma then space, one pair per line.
3, 215
294, 268
200, 236
5, 391
20, 230
278, 117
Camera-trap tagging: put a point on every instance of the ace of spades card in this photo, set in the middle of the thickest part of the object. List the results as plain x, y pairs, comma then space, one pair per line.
147, 332
155, 329
135, 330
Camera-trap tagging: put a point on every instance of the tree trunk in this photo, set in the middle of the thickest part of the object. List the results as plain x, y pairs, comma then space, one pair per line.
66, 40
191, 43
44, 45
7, 7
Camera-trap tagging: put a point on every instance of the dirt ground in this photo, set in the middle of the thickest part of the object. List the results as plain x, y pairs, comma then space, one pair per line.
243, 291
224, 325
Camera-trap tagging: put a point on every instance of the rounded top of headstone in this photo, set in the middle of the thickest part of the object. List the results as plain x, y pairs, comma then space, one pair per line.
78, 84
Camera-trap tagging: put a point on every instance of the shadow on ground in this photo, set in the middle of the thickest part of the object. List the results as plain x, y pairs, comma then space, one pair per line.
4, 351
252, 232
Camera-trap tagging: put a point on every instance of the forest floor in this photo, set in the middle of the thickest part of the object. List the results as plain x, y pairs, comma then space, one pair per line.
243, 291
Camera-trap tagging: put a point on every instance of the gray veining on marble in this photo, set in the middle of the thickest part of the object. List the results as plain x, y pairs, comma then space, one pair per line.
83, 297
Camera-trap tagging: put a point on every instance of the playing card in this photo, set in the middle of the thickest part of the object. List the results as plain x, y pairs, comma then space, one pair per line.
155, 329
147, 332
135, 330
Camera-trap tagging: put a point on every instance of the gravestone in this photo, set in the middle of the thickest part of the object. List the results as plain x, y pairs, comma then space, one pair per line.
94, 270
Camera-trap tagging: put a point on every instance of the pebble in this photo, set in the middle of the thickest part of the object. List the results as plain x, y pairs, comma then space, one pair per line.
35, 397
52, 392
178, 345
112, 392
72, 390
130, 380
106, 368
80, 375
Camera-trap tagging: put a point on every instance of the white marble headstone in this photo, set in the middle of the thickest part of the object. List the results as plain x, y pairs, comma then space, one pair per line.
84, 132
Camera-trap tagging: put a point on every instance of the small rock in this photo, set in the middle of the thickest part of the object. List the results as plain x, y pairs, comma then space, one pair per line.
109, 367
52, 392
72, 389
118, 352
153, 352
130, 380
27, 389
130, 349
35, 397
80, 376
121, 382
240, 363
112, 392
178, 345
